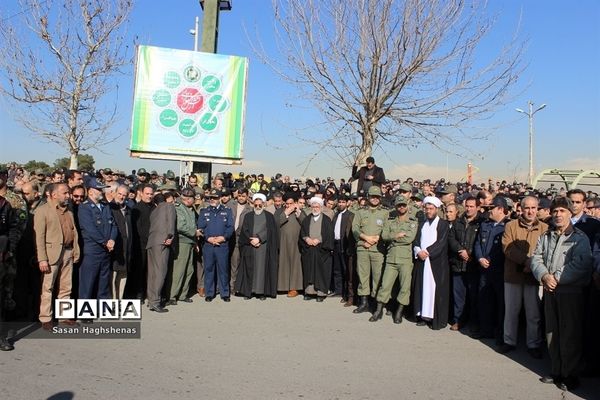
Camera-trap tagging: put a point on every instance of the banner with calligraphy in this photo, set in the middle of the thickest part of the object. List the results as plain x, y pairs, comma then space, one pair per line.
188, 103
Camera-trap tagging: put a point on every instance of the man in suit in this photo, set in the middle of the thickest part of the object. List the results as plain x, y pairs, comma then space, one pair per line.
57, 247
344, 247
163, 221
121, 256
239, 208
99, 234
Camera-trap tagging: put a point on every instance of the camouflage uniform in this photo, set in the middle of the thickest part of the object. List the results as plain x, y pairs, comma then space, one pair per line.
9, 237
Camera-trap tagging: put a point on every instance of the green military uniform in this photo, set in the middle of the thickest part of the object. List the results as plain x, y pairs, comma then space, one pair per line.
399, 260
19, 207
369, 261
183, 266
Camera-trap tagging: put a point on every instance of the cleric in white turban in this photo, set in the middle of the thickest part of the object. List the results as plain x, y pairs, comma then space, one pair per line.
316, 200
259, 196
431, 271
433, 201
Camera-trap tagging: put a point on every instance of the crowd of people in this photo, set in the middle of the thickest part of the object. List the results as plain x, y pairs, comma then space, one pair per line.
441, 254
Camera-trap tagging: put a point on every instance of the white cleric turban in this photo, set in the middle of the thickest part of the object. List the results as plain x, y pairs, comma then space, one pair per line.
316, 200
432, 200
259, 196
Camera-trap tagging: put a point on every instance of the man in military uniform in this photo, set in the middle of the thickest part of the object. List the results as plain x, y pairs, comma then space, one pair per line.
399, 233
216, 223
170, 180
179, 283
99, 233
367, 227
19, 209
9, 235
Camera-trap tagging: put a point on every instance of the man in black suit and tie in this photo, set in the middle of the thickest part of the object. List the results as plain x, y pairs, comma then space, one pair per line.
343, 251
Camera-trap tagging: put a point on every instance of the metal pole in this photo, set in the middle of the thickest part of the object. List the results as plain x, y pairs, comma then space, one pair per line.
530, 177
196, 33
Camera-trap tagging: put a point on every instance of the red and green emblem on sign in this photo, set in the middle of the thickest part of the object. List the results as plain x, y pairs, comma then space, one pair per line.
191, 102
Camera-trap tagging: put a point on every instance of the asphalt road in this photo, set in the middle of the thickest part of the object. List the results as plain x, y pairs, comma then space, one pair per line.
275, 349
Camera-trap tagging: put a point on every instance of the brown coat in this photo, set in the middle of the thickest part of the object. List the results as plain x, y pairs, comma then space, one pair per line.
49, 236
518, 242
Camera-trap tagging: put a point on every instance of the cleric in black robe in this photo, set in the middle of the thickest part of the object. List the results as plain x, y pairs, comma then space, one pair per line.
431, 273
259, 244
316, 244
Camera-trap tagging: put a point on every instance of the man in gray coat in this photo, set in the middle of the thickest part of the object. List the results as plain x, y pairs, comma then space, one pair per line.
562, 262
162, 232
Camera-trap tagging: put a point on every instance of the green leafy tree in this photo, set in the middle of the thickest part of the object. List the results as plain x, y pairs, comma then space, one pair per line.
32, 165
84, 161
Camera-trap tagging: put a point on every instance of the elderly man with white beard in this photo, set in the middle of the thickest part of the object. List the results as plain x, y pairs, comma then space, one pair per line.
259, 244
316, 241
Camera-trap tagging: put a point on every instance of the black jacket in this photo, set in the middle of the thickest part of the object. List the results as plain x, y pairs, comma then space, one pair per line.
462, 237
378, 176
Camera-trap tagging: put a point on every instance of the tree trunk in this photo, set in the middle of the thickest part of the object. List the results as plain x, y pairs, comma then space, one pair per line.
74, 161
366, 147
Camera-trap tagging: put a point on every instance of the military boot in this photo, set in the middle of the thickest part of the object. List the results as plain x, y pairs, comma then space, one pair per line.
5, 345
363, 306
378, 313
398, 314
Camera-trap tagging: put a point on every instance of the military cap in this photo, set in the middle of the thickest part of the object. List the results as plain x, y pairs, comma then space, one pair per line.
107, 171
141, 171
170, 174
500, 201
198, 190
153, 173
167, 186
40, 171
405, 187
354, 196
188, 193
400, 199
544, 203
92, 183
225, 192
447, 189
419, 196
214, 193
374, 191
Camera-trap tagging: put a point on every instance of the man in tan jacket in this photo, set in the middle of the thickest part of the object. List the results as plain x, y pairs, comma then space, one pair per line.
520, 287
57, 249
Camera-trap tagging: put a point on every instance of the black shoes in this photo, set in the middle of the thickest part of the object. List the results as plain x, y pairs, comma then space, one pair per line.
187, 300
226, 299
548, 379
5, 345
378, 313
158, 309
320, 299
421, 323
171, 303
208, 299
262, 297
505, 348
567, 384
398, 314
307, 297
363, 305
535, 352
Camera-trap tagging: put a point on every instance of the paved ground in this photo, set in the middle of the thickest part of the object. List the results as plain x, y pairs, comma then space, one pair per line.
276, 349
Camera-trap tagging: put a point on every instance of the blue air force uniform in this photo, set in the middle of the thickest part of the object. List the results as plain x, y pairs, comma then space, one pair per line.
97, 228
213, 222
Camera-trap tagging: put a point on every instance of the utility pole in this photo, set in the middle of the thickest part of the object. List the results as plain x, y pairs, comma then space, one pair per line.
530, 113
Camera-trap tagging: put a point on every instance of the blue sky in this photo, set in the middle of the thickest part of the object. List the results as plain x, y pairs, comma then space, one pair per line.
563, 58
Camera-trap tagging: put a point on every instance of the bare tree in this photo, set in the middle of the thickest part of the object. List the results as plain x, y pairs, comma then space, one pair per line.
58, 59
393, 72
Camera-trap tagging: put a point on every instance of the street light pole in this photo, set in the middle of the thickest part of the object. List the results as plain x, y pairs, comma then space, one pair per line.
530, 113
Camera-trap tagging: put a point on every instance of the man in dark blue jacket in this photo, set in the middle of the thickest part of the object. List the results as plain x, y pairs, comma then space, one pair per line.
99, 233
488, 252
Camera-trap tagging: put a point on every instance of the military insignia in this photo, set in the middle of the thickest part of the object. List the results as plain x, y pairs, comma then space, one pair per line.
379, 222
413, 225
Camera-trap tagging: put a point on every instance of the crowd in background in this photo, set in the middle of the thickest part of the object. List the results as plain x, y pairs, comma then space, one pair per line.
467, 256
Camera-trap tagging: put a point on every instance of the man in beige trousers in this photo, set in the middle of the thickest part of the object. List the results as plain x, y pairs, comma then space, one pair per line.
57, 250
